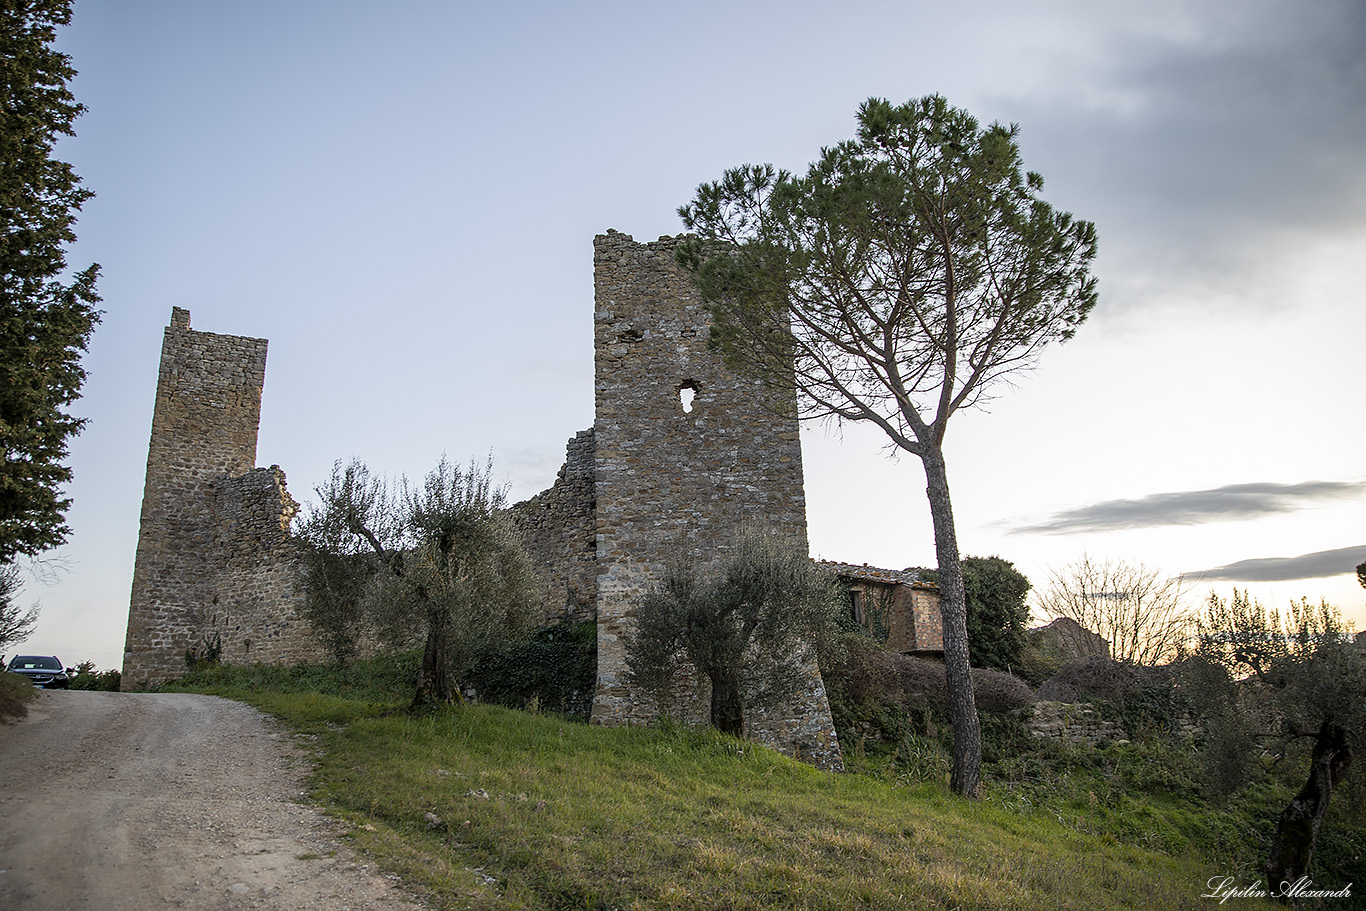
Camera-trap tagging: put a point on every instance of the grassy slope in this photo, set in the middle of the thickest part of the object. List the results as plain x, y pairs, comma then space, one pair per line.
492, 808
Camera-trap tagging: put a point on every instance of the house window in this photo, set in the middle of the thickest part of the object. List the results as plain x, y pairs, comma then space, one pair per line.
856, 599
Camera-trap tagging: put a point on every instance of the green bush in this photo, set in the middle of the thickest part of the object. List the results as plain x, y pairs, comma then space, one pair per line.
891, 707
15, 692
208, 651
872, 673
554, 671
1041, 658
995, 593
384, 679
87, 678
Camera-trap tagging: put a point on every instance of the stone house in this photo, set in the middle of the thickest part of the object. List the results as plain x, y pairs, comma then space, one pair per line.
897, 604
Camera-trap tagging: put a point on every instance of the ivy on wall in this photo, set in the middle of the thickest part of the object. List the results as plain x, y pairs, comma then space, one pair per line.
553, 671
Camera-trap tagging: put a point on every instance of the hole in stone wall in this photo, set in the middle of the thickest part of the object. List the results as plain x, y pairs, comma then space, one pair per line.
687, 392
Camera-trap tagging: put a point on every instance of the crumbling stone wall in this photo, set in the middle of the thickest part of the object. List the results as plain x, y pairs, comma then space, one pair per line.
559, 535
258, 586
686, 452
1073, 723
213, 550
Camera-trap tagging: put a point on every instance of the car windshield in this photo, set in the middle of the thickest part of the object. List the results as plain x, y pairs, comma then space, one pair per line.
35, 663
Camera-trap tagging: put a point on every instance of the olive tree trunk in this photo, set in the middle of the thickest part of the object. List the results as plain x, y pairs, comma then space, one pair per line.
966, 778
727, 707
1298, 830
435, 683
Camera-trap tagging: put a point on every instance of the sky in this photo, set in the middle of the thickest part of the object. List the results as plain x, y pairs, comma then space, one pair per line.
402, 198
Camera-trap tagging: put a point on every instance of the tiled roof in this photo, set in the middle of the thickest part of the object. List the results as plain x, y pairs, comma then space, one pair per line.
867, 573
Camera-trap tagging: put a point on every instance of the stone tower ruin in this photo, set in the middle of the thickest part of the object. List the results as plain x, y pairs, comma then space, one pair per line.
214, 563
686, 453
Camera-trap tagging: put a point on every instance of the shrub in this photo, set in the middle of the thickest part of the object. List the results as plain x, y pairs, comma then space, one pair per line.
1042, 658
881, 675
1140, 697
15, 692
87, 678
999, 692
995, 593
207, 652
556, 671
387, 678
897, 704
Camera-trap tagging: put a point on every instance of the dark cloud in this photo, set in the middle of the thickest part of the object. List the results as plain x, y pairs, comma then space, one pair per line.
1318, 565
1194, 507
1222, 147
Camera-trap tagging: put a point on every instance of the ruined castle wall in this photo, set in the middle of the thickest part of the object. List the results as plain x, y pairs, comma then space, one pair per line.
681, 478
204, 428
559, 536
257, 590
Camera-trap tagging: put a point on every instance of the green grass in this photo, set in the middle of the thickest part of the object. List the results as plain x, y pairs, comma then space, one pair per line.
568, 816
489, 808
15, 692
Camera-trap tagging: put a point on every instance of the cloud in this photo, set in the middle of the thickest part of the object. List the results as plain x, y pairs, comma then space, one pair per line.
1318, 565
1193, 507
1204, 151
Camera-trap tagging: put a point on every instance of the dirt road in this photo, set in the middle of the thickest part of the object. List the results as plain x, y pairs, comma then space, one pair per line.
116, 801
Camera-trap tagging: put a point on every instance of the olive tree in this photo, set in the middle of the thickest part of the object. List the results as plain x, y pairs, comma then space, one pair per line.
1303, 682
441, 561
907, 274
750, 622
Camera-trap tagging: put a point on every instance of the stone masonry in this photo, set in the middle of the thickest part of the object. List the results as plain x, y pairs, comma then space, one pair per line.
213, 553
559, 535
1072, 723
686, 453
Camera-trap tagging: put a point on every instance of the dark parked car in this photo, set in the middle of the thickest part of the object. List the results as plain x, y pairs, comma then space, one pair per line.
43, 670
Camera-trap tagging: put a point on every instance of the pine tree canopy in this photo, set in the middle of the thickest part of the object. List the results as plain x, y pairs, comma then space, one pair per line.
46, 315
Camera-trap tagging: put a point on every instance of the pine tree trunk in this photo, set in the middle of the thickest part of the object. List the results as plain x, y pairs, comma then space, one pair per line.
727, 709
1298, 830
962, 704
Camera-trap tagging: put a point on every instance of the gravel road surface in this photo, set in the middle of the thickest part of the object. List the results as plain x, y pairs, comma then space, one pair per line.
142, 801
